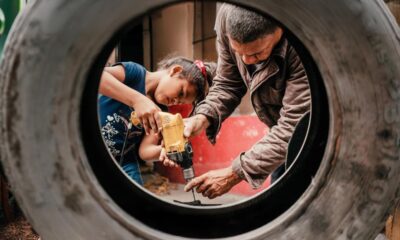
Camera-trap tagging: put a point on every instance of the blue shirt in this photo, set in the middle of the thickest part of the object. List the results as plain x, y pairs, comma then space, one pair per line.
114, 116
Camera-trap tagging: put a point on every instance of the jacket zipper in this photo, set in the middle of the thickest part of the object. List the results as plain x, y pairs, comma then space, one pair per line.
257, 86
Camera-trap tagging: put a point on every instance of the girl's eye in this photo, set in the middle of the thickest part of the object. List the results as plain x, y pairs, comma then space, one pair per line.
181, 93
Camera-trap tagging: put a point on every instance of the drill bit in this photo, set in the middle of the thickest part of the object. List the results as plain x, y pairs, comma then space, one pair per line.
188, 175
188, 180
194, 197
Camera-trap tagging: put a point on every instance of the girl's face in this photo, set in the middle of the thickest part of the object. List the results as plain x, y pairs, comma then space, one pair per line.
174, 90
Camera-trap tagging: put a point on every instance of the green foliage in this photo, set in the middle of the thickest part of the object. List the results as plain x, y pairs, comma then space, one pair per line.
2, 22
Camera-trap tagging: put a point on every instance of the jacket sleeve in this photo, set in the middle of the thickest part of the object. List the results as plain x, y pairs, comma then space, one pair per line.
266, 155
227, 89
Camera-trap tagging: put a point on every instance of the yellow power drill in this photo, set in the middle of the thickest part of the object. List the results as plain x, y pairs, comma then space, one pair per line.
177, 146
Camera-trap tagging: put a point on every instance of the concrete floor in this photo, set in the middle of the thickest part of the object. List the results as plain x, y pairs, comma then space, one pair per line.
180, 195
176, 191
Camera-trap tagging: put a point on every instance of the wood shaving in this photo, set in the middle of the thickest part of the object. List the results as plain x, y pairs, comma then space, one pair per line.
159, 185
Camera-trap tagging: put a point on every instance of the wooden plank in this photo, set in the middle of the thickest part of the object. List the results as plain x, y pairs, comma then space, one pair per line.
393, 224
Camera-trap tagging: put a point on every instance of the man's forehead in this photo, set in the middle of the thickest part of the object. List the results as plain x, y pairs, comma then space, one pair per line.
253, 47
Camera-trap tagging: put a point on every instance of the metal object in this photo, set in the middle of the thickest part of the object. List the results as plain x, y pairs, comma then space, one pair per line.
2, 22
197, 203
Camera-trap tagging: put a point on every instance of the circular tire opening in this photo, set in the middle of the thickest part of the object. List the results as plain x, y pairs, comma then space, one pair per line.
223, 221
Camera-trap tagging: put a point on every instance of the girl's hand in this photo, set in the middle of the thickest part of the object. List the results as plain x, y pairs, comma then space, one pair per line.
165, 160
147, 112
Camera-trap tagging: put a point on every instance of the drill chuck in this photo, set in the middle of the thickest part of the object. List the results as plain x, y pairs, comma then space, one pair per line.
184, 160
188, 174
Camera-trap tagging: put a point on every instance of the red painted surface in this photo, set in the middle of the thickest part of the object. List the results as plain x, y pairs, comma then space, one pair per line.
237, 134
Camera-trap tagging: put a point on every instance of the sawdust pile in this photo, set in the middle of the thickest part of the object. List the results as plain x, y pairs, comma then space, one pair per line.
159, 185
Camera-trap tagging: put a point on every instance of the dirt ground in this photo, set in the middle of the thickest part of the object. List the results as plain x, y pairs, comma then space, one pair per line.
18, 229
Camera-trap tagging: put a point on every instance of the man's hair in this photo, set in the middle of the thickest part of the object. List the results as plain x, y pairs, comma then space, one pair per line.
245, 26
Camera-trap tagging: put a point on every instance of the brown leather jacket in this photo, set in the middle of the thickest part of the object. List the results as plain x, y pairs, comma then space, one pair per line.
279, 93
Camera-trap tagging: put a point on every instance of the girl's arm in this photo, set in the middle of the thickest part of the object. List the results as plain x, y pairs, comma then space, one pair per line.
112, 86
151, 149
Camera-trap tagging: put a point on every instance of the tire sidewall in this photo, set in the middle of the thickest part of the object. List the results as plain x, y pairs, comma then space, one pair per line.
46, 64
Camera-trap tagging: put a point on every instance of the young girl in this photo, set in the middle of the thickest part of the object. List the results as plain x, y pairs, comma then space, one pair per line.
128, 86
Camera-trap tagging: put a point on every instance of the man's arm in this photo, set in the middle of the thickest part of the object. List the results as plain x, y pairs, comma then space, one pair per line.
267, 154
270, 152
214, 183
228, 87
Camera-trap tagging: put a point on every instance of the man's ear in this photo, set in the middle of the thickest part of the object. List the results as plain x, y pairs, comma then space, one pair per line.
175, 69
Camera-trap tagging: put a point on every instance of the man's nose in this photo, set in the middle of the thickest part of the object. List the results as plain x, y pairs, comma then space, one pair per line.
249, 59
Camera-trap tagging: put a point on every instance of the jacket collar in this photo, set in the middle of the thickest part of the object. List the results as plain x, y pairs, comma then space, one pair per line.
281, 48
269, 67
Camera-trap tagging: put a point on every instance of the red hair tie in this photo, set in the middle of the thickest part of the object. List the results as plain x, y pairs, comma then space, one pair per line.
202, 68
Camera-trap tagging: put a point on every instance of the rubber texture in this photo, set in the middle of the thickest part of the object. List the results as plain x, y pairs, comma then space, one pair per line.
342, 185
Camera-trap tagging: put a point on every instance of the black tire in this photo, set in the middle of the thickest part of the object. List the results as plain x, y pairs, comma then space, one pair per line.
46, 150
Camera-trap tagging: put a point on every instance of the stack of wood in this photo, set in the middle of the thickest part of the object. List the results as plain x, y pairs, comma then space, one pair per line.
392, 229
394, 6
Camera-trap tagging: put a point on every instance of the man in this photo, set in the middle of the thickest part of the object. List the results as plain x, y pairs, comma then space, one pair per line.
254, 55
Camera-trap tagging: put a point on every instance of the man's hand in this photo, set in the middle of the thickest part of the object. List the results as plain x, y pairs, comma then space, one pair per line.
165, 160
147, 112
214, 183
195, 125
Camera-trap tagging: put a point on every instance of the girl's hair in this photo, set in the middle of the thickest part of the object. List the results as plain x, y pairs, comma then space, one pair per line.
192, 73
